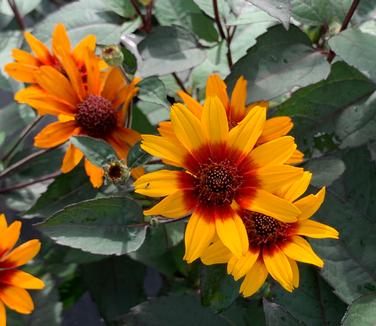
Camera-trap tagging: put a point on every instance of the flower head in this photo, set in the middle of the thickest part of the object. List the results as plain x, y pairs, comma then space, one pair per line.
236, 111
14, 282
221, 171
275, 246
26, 64
94, 104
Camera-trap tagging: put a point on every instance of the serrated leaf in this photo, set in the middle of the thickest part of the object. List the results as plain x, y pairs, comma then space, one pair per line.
314, 107
279, 9
97, 151
180, 51
313, 303
279, 55
103, 226
361, 312
184, 310
357, 49
218, 289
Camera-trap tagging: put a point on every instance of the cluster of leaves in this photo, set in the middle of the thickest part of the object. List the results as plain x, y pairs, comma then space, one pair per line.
97, 246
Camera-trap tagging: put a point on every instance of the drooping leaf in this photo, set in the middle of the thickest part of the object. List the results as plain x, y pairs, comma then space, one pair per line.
276, 8
357, 49
180, 51
181, 310
115, 284
271, 60
361, 312
107, 226
97, 151
313, 303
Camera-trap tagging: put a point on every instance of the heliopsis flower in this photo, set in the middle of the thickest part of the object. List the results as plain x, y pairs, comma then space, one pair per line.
236, 110
26, 64
94, 104
275, 246
221, 170
13, 282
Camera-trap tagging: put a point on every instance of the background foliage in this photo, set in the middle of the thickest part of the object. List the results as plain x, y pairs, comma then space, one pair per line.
101, 268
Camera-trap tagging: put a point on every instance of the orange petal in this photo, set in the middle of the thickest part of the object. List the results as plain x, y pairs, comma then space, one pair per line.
21, 255
56, 134
215, 86
21, 279
216, 253
95, 174
40, 50
72, 157
60, 40
93, 75
191, 103
56, 84
9, 237
25, 57
310, 204
274, 128
199, 233
238, 100
114, 83
16, 299
89, 42
21, 72
254, 279
3, 222
3, 315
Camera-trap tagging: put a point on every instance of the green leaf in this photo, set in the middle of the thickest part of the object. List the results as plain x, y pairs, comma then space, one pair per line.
120, 7
137, 157
140, 122
350, 261
314, 107
187, 14
275, 315
97, 151
180, 51
207, 8
24, 7
279, 55
129, 62
101, 226
245, 313
66, 189
183, 310
357, 49
361, 312
313, 303
319, 12
280, 9
115, 284
152, 90
325, 170
82, 19
357, 124
218, 289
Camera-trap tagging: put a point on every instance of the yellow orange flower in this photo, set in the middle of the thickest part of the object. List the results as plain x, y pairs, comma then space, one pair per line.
93, 104
14, 282
236, 110
275, 246
26, 64
221, 171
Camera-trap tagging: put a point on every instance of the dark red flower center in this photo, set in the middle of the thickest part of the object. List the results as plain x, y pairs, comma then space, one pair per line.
217, 182
96, 116
265, 231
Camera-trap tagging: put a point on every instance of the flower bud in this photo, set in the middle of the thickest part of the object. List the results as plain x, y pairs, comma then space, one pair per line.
117, 172
113, 55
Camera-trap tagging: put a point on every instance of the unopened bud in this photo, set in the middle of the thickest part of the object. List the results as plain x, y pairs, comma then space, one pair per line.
117, 172
113, 55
